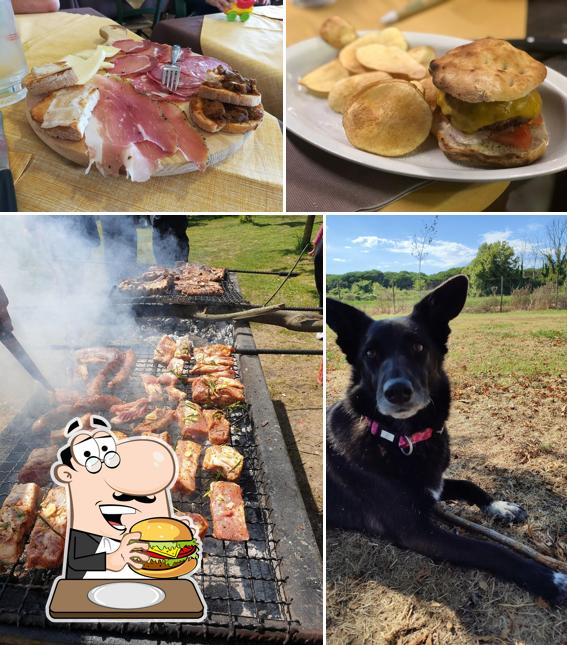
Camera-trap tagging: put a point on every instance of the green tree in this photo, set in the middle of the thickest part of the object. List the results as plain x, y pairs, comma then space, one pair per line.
493, 262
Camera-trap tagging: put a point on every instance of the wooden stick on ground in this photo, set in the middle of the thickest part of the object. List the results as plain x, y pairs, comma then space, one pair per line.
451, 518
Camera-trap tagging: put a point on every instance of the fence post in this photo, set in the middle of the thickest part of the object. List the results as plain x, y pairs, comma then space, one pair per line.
501, 291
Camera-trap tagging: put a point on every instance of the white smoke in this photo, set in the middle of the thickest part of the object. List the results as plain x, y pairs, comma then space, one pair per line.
58, 280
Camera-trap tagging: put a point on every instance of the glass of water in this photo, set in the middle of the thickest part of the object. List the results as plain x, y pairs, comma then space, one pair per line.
13, 66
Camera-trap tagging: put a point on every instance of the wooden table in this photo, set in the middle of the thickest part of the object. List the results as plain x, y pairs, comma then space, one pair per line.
458, 18
249, 181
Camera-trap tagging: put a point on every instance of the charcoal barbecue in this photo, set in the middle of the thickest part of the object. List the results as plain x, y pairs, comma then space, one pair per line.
268, 588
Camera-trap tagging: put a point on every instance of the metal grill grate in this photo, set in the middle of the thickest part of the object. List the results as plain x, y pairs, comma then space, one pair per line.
241, 581
231, 296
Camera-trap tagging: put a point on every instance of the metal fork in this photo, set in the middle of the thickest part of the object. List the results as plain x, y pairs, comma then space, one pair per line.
170, 74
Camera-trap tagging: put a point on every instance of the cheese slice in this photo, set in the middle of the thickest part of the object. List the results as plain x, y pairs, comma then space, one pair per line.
108, 50
85, 68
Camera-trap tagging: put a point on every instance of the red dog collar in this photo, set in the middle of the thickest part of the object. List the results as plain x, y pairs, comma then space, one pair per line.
404, 441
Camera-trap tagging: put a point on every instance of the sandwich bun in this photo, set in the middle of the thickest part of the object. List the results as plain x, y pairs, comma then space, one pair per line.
230, 97
479, 150
487, 70
167, 538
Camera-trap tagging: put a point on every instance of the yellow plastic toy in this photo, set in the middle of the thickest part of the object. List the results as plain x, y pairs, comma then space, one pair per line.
241, 9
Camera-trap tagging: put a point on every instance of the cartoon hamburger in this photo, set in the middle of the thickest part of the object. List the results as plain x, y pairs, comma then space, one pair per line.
173, 549
489, 109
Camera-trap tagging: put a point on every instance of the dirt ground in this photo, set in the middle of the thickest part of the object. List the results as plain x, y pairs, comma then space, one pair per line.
507, 434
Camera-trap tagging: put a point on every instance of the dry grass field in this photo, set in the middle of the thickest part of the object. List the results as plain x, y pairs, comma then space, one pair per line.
508, 433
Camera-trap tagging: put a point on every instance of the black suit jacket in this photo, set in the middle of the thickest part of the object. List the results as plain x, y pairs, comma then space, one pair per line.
82, 555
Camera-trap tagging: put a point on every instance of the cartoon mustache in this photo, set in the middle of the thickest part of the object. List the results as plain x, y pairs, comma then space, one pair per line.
143, 499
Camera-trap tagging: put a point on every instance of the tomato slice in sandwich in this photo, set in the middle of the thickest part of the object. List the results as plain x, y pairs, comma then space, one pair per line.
519, 137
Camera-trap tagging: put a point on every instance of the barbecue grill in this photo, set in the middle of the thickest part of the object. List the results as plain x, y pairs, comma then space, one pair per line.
268, 588
231, 297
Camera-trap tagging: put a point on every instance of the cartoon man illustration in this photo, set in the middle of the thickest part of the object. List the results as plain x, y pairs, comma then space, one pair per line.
112, 486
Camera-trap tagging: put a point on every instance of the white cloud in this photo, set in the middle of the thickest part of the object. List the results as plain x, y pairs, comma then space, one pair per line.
339, 260
348, 247
496, 236
369, 241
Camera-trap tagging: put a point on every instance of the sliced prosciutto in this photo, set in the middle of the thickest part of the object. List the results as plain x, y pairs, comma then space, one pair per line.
127, 45
189, 141
145, 84
194, 70
131, 64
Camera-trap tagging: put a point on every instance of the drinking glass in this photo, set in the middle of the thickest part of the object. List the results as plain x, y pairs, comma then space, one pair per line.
13, 66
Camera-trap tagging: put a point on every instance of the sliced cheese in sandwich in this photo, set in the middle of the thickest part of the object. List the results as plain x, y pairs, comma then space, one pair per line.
64, 114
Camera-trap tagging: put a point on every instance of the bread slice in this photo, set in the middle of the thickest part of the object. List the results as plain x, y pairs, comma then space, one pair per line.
214, 116
65, 113
49, 78
230, 97
197, 107
479, 150
241, 128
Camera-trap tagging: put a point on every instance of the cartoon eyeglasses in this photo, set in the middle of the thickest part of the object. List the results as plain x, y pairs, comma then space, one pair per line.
93, 452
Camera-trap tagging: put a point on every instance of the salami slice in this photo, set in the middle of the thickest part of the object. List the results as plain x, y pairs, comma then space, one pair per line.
131, 64
144, 84
129, 45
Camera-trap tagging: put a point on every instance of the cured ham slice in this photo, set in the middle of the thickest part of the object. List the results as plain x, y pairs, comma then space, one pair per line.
131, 64
129, 45
194, 70
145, 84
189, 141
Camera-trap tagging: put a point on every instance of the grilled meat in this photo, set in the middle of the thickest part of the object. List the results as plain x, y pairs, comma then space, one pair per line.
175, 366
227, 512
47, 539
37, 466
198, 288
174, 395
91, 355
16, 519
64, 413
200, 523
219, 427
184, 348
63, 397
164, 436
125, 371
192, 422
224, 460
155, 281
100, 381
156, 421
165, 350
188, 459
219, 392
152, 387
127, 412
213, 350
168, 379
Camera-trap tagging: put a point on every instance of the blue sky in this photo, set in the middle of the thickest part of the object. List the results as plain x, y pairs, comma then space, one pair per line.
358, 242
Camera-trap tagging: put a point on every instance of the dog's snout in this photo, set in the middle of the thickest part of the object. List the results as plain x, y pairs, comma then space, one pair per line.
398, 390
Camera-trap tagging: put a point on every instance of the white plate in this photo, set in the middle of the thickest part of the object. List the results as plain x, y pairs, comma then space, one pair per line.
126, 595
311, 118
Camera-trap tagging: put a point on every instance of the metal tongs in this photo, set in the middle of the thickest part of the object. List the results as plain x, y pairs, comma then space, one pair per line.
171, 74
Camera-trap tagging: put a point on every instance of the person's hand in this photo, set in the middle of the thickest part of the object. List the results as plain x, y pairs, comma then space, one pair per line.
221, 5
130, 548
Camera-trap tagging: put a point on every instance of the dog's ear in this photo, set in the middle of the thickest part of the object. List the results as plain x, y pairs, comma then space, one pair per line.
350, 325
443, 303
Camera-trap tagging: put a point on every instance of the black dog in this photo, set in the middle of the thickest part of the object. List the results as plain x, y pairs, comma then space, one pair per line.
387, 446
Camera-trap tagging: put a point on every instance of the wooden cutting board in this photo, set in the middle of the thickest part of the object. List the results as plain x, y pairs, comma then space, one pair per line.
70, 601
220, 146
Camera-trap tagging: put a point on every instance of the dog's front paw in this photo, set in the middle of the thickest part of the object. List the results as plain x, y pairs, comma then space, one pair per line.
505, 512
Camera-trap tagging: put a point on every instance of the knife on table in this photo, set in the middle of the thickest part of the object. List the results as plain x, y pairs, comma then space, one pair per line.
7, 190
11, 343
535, 44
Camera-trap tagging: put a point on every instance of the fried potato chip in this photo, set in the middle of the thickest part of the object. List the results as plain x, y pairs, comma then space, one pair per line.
337, 32
390, 118
347, 55
429, 92
389, 59
348, 87
321, 80
393, 37
423, 54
